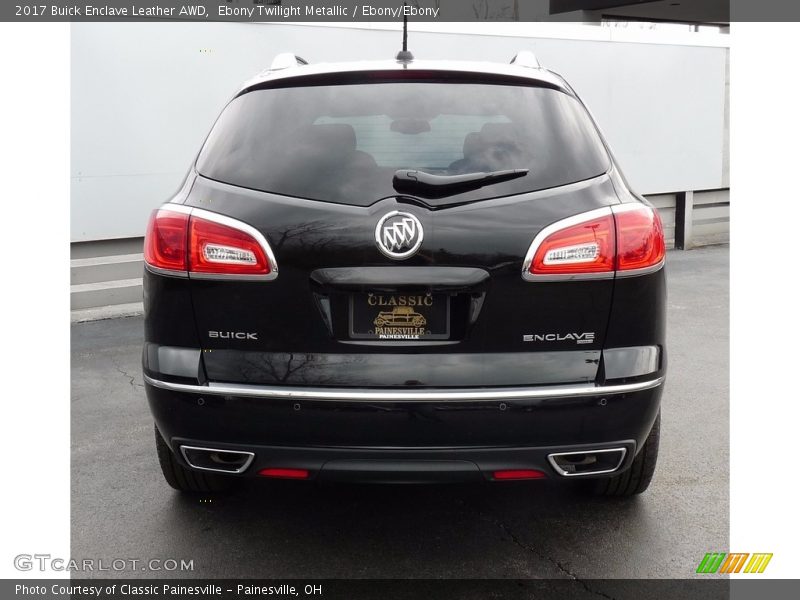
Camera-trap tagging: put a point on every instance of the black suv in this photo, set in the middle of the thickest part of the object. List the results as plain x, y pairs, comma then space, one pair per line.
405, 271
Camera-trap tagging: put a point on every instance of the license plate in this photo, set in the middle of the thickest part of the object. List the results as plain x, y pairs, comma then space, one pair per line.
395, 316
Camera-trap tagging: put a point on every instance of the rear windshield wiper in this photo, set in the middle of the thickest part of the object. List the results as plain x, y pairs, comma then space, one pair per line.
426, 184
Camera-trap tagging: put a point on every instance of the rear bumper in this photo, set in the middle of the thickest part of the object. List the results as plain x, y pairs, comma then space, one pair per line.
405, 435
406, 465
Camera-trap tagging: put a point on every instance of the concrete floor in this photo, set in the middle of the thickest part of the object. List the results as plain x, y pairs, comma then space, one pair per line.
121, 507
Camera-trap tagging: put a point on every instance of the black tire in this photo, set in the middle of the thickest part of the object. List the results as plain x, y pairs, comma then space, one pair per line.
188, 480
637, 478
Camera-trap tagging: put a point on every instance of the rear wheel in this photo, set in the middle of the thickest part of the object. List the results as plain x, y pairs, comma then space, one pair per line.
188, 480
637, 478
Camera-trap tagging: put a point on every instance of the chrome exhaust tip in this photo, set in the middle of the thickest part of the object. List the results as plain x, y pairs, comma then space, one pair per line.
587, 462
214, 459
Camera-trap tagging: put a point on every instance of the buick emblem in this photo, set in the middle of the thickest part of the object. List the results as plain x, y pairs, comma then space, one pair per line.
398, 234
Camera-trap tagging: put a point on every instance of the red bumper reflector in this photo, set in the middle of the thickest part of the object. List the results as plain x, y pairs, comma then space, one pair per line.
519, 474
284, 473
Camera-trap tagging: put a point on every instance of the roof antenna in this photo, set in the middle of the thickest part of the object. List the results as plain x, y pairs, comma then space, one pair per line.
404, 55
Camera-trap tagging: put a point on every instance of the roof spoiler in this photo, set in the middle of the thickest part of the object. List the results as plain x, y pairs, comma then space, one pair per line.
286, 60
525, 58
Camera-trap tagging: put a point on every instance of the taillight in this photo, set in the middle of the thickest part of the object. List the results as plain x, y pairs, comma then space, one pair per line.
192, 242
626, 239
578, 245
165, 241
224, 249
640, 238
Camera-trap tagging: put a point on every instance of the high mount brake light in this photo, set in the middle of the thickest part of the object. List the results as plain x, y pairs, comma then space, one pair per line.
622, 240
183, 241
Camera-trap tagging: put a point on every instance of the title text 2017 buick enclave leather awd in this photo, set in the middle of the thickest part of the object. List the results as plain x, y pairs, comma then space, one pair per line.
405, 271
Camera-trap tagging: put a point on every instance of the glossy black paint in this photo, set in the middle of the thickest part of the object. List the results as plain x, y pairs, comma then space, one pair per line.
308, 236
379, 370
474, 252
546, 422
168, 310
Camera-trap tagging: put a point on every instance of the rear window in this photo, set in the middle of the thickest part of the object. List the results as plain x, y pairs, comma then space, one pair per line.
343, 143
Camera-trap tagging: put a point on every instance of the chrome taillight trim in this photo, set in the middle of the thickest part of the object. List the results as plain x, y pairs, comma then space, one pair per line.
429, 395
576, 220
551, 229
165, 272
228, 222
245, 228
645, 271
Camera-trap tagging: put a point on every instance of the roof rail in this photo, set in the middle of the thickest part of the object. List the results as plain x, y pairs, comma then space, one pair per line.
286, 60
525, 58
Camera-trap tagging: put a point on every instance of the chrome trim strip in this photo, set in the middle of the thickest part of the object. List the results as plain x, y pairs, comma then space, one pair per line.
429, 395
165, 272
242, 469
228, 222
528, 276
644, 271
563, 473
237, 277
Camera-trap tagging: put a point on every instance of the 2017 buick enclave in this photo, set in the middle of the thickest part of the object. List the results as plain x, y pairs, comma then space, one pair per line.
405, 271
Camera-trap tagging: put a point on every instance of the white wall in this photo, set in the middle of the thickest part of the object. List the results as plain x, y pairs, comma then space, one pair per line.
144, 95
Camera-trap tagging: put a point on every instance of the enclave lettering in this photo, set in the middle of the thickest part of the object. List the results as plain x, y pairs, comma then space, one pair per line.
580, 338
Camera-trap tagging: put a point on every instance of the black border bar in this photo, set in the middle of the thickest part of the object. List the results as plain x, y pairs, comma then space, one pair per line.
711, 587
688, 11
